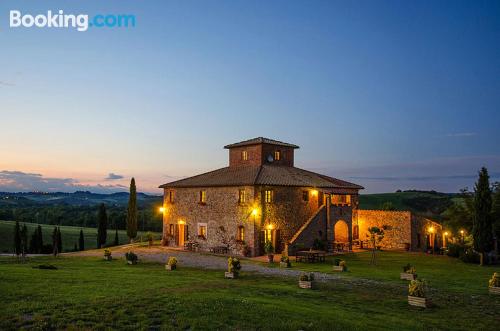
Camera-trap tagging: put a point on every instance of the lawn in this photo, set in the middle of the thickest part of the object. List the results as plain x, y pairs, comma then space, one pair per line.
92, 293
70, 235
441, 272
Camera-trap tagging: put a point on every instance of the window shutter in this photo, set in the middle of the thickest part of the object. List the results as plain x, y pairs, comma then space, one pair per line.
277, 241
176, 230
186, 232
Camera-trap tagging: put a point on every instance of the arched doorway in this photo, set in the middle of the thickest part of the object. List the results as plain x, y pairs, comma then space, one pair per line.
341, 231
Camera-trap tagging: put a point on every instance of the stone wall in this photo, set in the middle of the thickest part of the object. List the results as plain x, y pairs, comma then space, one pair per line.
426, 234
221, 209
285, 214
398, 230
313, 229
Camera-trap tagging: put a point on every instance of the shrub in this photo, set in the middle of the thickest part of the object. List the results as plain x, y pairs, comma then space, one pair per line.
45, 267
268, 248
417, 288
319, 244
409, 269
342, 263
495, 280
172, 261
233, 265
107, 252
469, 256
131, 256
455, 250
306, 277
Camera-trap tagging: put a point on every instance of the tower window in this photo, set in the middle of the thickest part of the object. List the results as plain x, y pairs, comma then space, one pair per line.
305, 195
244, 155
277, 155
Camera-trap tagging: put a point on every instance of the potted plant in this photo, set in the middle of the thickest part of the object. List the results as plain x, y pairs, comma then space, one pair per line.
131, 258
494, 284
416, 294
233, 268
339, 265
306, 280
269, 249
409, 272
107, 255
171, 264
285, 262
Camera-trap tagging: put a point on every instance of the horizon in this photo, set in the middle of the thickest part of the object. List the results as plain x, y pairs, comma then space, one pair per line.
387, 95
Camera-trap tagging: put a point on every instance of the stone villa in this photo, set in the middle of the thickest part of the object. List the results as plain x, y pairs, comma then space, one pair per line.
261, 196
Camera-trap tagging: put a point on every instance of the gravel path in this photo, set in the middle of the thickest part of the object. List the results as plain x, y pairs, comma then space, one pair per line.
209, 261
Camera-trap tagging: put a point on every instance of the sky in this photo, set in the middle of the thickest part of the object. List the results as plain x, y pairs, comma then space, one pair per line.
387, 94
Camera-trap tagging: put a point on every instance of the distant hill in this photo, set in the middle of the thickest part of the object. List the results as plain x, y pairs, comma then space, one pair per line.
79, 198
426, 203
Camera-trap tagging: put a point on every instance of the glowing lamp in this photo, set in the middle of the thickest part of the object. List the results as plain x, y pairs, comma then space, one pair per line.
255, 212
162, 209
269, 227
431, 229
314, 193
461, 231
181, 222
446, 233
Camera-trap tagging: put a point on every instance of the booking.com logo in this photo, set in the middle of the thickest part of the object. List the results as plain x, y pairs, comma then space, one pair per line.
80, 22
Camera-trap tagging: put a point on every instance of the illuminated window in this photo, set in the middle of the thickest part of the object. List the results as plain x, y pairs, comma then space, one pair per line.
341, 200
244, 155
203, 197
305, 195
269, 196
241, 196
171, 196
202, 230
171, 229
277, 155
241, 233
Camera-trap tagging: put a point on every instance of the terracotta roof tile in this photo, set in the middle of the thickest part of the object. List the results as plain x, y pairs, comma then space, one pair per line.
262, 175
261, 140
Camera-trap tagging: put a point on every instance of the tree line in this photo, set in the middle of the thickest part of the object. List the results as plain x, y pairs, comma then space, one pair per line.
36, 243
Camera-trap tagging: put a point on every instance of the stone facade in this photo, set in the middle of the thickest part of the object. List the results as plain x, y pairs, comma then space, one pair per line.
401, 229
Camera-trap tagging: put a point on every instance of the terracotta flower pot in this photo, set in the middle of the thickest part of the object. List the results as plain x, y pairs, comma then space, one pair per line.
170, 267
340, 268
305, 284
494, 290
419, 302
407, 276
231, 275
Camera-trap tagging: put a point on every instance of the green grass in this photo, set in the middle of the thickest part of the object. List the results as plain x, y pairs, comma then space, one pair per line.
70, 235
89, 293
441, 272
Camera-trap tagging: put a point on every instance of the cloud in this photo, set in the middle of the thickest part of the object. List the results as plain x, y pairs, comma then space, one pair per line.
113, 176
18, 181
461, 134
4, 83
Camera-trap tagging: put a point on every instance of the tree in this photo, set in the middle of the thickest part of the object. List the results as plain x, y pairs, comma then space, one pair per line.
102, 226
117, 242
375, 235
39, 240
17, 239
34, 242
132, 212
482, 229
81, 241
59, 240
55, 238
24, 240
496, 213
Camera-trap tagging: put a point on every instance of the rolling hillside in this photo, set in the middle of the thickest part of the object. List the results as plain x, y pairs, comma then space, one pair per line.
70, 235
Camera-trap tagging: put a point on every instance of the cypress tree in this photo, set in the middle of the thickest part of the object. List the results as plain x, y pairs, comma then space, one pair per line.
55, 245
132, 212
34, 242
24, 240
81, 241
482, 229
102, 226
17, 239
59, 240
117, 242
39, 240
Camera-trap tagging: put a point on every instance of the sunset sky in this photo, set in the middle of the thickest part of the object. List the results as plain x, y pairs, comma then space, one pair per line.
387, 94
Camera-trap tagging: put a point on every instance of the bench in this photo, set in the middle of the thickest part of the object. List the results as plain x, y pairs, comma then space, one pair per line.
219, 250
